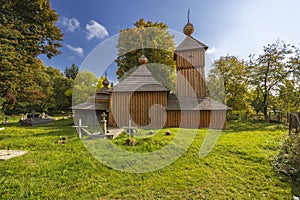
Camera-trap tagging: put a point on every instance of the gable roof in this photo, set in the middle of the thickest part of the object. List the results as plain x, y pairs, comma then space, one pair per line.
91, 105
140, 80
190, 43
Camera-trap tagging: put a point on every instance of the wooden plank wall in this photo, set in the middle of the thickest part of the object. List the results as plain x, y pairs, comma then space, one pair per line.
190, 58
196, 119
191, 83
138, 107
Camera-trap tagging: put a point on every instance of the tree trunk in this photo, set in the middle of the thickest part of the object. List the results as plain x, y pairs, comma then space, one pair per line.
266, 108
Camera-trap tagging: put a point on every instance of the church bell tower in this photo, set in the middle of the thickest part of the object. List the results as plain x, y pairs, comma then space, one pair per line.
190, 62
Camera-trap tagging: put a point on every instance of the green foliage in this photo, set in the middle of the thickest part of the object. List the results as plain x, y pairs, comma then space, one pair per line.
71, 72
228, 83
148, 38
27, 29
239, 167
84, 87
267, 72
287, 161
289, 97
100, 82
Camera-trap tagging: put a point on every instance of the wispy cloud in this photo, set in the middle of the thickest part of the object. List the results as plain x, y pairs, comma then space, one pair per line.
71, 24
77, 50
95, 30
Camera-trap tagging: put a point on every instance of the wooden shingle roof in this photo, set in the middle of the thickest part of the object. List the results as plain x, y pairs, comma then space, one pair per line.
190, 43
92, 105
186, 103
140, 80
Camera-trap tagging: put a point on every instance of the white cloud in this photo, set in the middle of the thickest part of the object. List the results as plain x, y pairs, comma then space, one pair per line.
71, 24
77, 50
95, 30
211, 50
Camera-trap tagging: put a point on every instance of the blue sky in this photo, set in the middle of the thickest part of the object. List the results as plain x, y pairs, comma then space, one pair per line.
234, 27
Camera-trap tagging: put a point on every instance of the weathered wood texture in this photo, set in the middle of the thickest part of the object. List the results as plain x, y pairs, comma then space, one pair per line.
196, 119
191, 83
187, 59
145, 109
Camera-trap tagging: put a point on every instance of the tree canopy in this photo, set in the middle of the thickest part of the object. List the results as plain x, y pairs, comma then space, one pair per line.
27, 29
72, 71
268, 72
228, 83
148, 38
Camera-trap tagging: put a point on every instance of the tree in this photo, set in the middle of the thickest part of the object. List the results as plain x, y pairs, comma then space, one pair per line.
84, 87
71, 72
228, 83
148, 38
32, 24
100, 82
267, 72
27, 29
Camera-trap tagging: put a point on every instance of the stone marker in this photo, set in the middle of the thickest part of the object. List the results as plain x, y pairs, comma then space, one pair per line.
103, 123
8, 154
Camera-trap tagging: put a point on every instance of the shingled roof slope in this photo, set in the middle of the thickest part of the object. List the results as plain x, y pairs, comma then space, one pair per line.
190, 43
186, 103
92, 105
140, 80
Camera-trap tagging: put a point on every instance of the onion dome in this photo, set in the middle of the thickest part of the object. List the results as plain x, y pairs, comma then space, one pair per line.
143, 60
105, 82
188, 29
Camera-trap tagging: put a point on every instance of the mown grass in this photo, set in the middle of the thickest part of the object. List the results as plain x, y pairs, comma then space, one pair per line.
239, 166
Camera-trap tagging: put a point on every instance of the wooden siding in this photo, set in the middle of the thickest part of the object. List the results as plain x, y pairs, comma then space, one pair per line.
196, 119
191, 83
139, 107
190, 59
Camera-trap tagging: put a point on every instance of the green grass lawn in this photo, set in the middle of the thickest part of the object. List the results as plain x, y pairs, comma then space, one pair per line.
239, 166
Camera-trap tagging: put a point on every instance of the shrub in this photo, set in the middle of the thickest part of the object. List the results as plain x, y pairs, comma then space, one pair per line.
288, 159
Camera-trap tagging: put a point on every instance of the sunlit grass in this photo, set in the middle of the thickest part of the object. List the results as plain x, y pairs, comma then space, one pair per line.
238, 167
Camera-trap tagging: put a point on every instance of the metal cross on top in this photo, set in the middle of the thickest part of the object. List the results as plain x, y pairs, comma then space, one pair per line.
79, 127
130, 128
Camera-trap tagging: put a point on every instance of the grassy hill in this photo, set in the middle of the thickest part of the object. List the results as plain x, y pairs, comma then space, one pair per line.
239, 166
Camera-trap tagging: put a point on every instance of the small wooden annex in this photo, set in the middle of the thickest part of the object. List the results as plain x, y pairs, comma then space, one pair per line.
149, 104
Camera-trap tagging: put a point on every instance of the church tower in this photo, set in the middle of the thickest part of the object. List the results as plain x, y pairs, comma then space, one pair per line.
190, 62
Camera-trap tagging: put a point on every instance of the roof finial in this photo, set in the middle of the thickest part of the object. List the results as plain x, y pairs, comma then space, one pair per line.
188, 28
189, 15
105, 82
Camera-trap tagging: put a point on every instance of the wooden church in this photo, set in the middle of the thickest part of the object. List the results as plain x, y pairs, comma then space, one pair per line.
147, 103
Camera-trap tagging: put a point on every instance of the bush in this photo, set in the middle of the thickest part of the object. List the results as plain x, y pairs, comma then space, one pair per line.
288, 159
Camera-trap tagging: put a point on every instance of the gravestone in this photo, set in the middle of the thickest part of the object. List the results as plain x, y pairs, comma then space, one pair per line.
33, 119
103, 123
